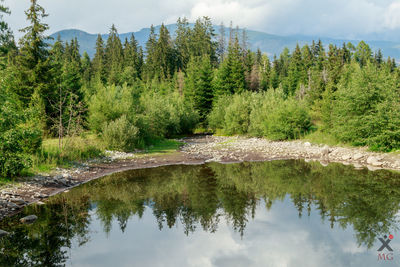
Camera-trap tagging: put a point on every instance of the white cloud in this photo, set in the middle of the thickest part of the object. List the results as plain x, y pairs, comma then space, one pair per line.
392, 16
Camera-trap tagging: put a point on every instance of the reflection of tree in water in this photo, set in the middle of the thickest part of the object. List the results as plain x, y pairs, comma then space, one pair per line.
198, 196
45, 242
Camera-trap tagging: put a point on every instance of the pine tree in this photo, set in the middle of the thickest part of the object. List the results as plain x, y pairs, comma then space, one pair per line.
363, 54
198, 85
114, 57
6, 36
265, 73
86, 69
221, 43
296, 72
231, 74
131, 61
32, 70
150, 66
378, 57
164, 55
98, 63
182, 43
202, 40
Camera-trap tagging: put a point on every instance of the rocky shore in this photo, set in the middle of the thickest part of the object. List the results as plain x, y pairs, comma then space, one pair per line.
197, 150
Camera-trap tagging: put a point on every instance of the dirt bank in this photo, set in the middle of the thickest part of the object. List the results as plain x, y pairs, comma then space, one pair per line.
197, 150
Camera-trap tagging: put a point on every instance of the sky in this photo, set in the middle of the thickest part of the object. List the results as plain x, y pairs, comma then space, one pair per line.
351, 19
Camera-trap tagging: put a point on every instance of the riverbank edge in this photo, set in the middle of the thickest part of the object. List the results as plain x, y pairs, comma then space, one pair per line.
195, 151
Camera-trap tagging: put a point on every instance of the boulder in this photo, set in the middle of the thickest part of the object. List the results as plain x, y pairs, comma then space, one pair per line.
346, 157
18, 201
374, 161
358, 156
29, 219
3, 233
325, 150
307, 144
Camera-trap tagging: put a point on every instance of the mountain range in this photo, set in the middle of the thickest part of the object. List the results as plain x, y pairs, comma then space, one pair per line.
267, 43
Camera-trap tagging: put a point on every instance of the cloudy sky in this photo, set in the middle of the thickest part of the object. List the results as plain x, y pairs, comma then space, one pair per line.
331, 18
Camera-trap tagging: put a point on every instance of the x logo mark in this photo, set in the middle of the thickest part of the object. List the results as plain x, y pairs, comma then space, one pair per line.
385, 244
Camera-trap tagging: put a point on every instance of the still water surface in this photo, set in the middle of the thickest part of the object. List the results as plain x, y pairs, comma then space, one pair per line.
280, 213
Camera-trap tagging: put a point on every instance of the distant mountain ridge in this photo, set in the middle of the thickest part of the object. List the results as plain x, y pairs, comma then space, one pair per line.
268, 43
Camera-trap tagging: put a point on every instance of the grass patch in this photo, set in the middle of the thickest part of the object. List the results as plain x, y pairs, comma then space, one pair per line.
163, 146
75, 149
318, 137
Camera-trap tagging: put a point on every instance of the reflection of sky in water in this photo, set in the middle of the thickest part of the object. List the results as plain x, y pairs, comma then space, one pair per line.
274, 238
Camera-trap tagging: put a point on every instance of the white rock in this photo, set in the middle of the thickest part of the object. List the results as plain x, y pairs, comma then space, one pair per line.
325, 150
307, 144
346, 157
358, 156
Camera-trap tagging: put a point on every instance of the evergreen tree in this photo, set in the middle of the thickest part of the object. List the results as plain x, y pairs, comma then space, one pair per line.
182, 43
98, 63
202, 40
114, 56
86, 69
32, 68
198, 85
150, 66
131, 61
164, 55
221, 43
363, 54
265, 73
296, 72
231, 74
6, 36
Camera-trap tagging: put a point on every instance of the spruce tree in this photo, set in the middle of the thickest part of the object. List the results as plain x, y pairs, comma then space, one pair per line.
150, 66
32, 69
6, 36
114, 57
98, 63
363, 54
221, 43
198, 85
182, 43
231, 74
164, 55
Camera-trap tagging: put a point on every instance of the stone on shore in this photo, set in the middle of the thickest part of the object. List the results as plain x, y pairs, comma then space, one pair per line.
29, 219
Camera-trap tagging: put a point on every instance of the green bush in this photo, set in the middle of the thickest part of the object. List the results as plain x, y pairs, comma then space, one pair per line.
237, 114
166, 115
18, 138
287, 120
108, 104
262, 114
121, 135
216, 118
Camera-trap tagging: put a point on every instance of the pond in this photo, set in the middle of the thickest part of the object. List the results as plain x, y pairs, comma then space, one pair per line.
278, 213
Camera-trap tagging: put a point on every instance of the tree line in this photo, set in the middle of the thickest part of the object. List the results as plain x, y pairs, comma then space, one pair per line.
130, 95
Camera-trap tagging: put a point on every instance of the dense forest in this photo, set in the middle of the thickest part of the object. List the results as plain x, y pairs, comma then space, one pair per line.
195, 78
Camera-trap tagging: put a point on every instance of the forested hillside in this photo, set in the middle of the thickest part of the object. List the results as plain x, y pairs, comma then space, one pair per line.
130, 96
268, 43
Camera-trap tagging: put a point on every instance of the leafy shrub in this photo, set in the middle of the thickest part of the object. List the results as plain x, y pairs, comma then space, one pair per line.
268, 115
17, 138
287, 120
166, 115
121, 134
109, 104
216, 118
237, 114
